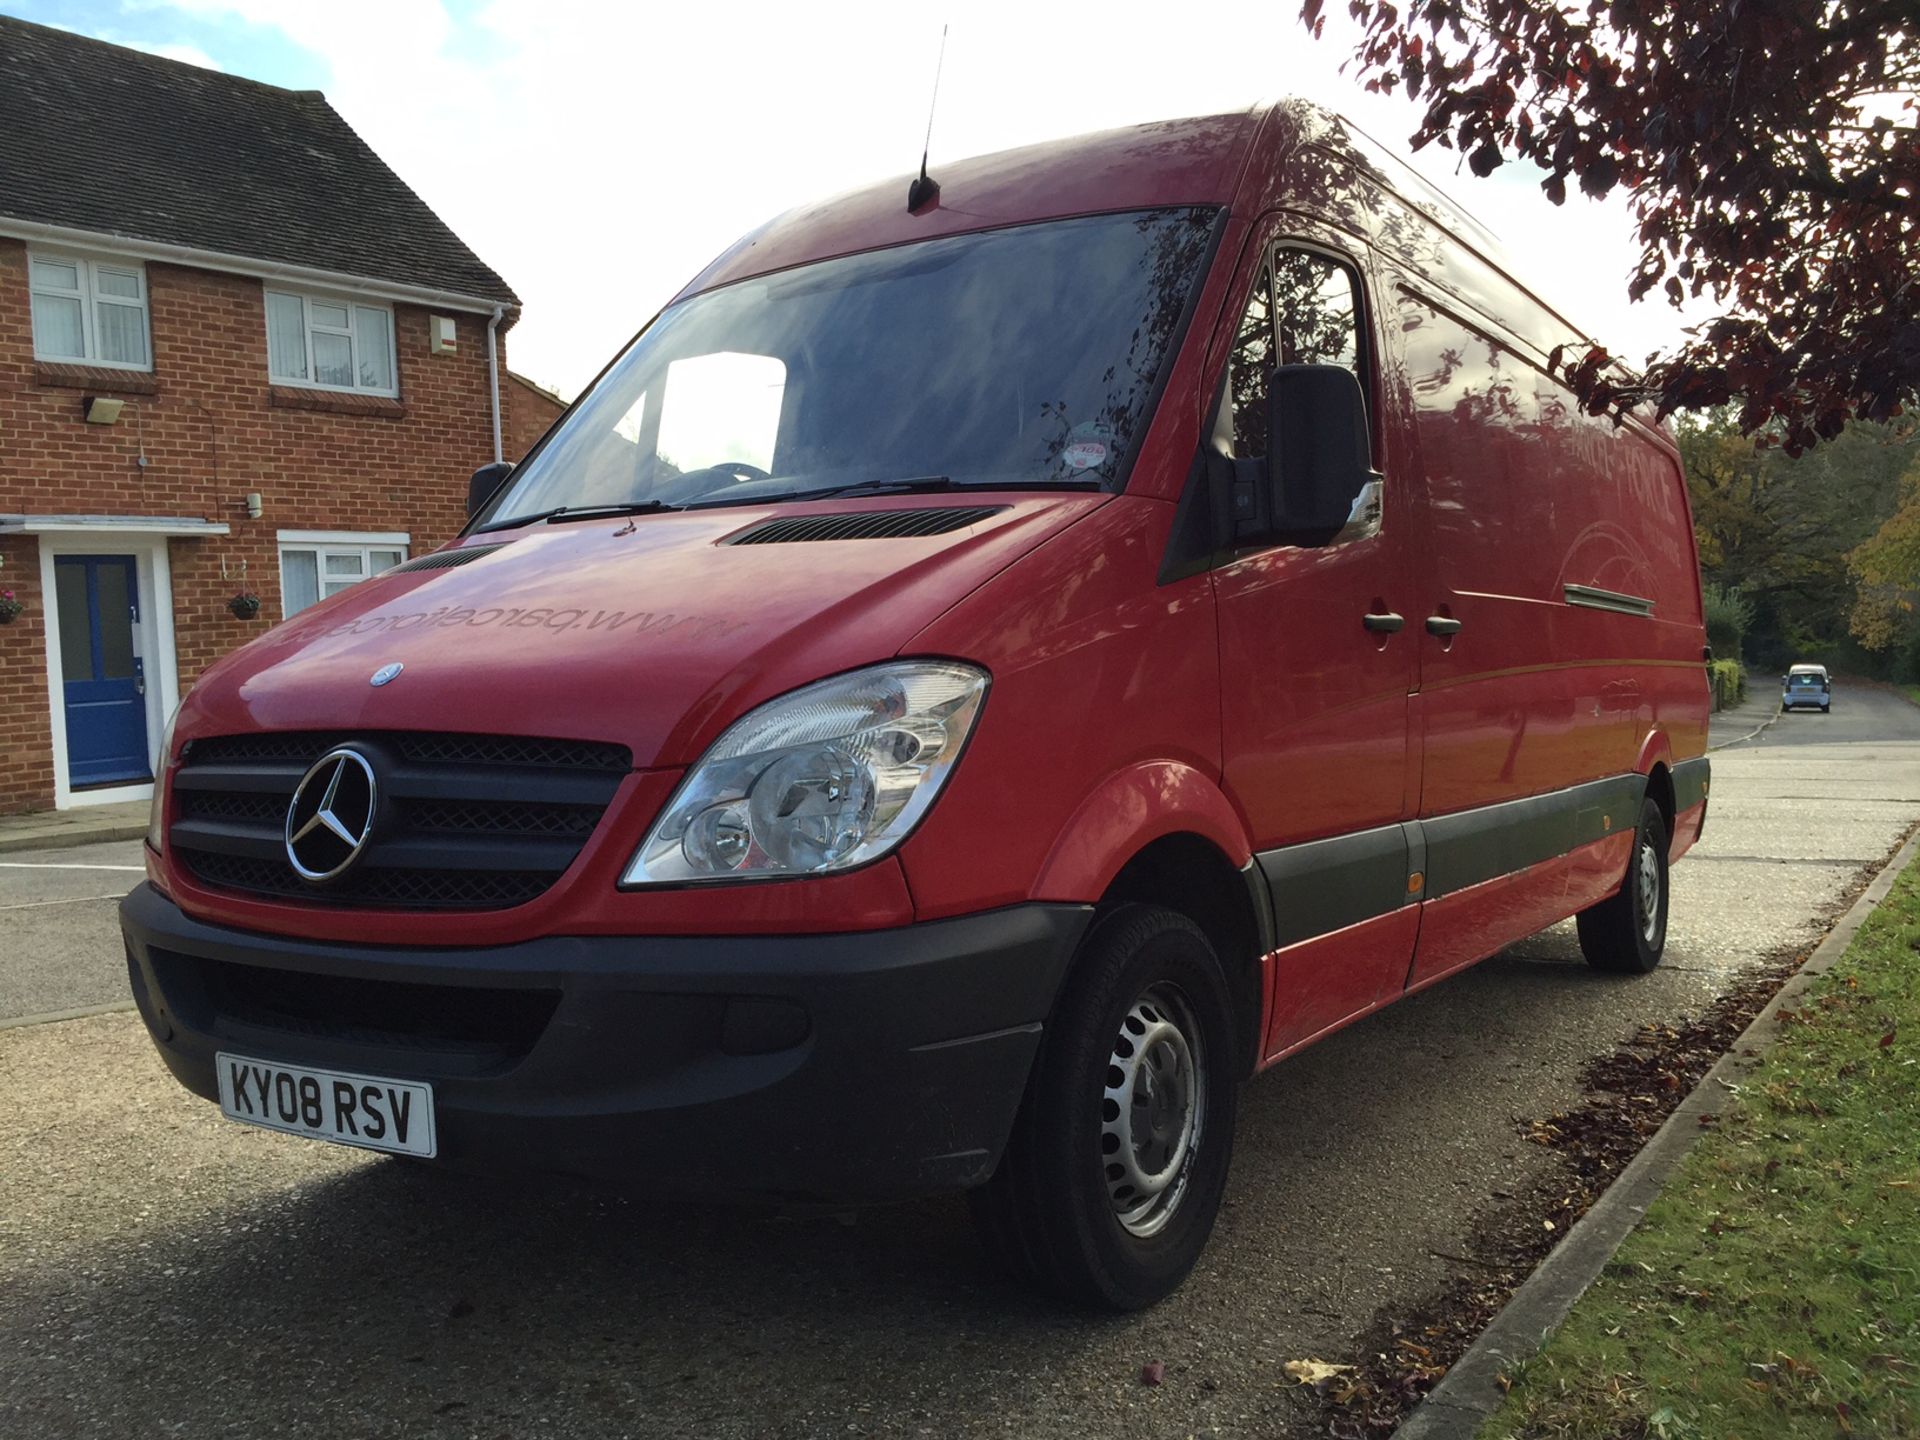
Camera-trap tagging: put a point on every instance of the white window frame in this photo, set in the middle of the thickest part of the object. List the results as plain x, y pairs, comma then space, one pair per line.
88, 268
354, 305
322, 543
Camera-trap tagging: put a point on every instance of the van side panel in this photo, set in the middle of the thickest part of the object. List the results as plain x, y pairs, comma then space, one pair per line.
1096, 669
1561, 544
1526, 698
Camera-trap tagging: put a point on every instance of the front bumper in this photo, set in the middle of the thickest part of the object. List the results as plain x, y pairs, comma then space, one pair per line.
833, 1068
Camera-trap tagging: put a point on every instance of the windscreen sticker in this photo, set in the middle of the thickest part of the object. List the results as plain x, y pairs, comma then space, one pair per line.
1085, 454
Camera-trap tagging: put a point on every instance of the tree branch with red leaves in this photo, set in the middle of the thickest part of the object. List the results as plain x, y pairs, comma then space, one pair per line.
1770, 156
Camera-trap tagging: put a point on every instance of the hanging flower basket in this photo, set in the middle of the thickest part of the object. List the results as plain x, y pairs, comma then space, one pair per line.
245, 605
10, 608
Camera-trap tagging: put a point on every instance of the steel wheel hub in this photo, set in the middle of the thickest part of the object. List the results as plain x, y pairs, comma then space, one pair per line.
1649, 888
1152, 1110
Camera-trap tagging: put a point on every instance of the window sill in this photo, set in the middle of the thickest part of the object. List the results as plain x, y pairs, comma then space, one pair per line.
335, 402
63, 375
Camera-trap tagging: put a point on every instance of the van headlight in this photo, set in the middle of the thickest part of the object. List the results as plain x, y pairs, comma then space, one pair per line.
162, 783
823, 779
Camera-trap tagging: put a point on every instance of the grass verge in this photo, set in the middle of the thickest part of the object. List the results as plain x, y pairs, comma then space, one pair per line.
1774, 1287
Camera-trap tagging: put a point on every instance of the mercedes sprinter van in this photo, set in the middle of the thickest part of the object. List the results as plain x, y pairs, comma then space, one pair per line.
969, 685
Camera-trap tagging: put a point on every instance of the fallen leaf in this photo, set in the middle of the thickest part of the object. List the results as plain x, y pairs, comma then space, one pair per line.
1153, 1372
1886, 1040
1314, 1372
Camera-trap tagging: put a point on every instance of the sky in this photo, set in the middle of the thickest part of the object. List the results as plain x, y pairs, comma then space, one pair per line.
598, 155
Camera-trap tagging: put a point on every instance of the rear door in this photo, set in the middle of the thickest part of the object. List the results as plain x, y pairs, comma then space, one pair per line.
1315, 703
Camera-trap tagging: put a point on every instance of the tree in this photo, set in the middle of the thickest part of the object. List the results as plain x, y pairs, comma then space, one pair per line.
1771, 157
1787, 532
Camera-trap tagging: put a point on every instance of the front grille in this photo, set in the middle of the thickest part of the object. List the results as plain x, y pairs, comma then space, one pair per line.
466, 822
504, 1021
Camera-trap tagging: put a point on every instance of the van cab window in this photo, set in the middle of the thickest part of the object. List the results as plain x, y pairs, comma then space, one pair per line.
1247, 370
1304, 310
1015, 358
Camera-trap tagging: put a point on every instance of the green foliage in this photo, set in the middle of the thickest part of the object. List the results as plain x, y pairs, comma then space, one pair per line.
1729, 683
1771, 1289
1729, 613
1782, 530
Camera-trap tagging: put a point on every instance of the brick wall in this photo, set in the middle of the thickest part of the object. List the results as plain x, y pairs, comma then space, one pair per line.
212, 429
527, 411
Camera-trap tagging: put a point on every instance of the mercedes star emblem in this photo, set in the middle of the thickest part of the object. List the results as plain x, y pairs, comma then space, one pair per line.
331, 817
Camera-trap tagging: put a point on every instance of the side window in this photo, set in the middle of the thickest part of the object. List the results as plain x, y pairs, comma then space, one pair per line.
1305, 309
1245, 433
1317, 300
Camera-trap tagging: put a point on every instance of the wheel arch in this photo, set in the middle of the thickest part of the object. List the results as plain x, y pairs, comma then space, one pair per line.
1190, 875
1656, 763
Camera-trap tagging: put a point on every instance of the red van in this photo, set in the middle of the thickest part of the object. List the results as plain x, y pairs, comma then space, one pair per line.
965, 688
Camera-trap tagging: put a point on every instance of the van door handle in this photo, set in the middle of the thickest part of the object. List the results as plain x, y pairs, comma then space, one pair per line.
1387, 624
1442, 625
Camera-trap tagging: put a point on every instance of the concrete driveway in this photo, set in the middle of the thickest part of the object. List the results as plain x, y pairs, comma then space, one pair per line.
164, 1272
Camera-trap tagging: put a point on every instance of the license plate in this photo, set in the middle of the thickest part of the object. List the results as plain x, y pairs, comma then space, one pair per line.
362, 1110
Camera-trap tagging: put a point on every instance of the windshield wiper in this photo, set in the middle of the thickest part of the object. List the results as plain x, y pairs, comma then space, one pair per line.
566, 513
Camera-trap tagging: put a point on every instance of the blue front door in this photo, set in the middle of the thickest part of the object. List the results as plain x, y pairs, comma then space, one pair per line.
106, 687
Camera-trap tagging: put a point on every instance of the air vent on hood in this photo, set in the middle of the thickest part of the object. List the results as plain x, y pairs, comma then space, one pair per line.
446, 559
866, 525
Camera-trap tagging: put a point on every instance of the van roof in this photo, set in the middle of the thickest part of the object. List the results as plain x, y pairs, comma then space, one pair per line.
1195, 161
1202, 160
1807, 670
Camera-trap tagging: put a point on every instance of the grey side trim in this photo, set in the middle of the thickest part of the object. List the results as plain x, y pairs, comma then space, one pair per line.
1326, 885
1476, 845
1261, 898
1592, 597
1416, 861
1690, 783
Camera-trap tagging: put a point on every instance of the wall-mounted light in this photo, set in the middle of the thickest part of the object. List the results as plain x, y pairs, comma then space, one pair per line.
255, 509
101, 409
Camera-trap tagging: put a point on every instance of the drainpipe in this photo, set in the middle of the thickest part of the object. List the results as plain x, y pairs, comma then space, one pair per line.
493, 377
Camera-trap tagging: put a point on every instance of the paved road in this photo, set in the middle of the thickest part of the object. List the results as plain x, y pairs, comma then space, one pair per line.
163, 1272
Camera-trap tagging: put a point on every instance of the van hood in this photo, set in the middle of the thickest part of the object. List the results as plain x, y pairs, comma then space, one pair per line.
653, 633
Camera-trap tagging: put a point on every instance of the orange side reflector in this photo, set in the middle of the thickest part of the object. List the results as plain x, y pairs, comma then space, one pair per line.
1414, 882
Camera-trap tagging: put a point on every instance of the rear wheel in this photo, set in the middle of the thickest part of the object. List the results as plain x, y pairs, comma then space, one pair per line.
1111, 1181
1627, 932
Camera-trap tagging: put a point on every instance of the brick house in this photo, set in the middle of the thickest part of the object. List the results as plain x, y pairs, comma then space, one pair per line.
531, 409
237, 353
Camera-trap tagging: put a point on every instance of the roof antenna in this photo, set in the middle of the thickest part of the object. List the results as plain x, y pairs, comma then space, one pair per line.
926, 190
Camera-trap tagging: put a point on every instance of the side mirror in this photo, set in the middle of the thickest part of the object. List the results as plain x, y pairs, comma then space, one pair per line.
485, 483
1319, 457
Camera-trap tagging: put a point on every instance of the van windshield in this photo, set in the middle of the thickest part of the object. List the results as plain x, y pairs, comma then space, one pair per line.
1023, 357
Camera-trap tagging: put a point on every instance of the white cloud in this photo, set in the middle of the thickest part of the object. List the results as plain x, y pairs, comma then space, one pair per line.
599, 155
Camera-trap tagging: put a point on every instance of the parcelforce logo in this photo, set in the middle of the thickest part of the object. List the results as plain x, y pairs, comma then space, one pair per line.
331, 817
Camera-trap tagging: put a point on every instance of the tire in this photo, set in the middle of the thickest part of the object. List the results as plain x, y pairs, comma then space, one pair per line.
1627, 932
1063, 1210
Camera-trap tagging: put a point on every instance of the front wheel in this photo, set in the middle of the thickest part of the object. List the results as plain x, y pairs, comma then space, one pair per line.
1627, 932
1117, 1164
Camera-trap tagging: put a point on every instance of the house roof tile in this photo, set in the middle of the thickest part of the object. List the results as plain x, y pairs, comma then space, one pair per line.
100, 138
